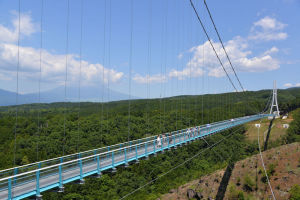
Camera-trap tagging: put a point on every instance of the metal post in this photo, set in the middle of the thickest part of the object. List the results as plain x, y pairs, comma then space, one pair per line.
98, 165
125, 156
112, 159
61, 187
130, 144
81, 174
146, 149
95, 152
79, 156
15, 173
9, 189
114, 170
136, 153
108, 153
174, 140
162, 144
154, 146
38, 193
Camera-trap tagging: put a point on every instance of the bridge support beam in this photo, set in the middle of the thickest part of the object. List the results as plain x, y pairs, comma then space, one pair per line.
60, 187
146, 151
154, 146
98, 167
38, 193
114, 170
81, 173
126, 162
9, 189
15, 173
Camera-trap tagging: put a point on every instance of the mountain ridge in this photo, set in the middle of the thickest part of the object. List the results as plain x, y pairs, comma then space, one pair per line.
88, 94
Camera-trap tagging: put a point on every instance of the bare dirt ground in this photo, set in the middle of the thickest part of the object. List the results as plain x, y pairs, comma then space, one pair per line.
248, 178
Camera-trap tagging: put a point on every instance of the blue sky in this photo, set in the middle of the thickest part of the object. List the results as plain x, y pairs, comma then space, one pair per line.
170, 53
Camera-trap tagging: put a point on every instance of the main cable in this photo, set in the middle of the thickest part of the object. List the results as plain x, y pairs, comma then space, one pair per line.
208, 38
223, 45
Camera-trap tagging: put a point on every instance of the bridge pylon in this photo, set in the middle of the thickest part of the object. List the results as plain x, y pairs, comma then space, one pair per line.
274, 106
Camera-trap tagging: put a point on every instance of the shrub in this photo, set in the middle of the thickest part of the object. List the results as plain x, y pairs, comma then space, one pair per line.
264, 179
295, 192
235, 194
238, 182
271, 169
248, 183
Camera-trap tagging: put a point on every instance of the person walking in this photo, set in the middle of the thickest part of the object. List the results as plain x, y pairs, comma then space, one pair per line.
164, 139
158, 141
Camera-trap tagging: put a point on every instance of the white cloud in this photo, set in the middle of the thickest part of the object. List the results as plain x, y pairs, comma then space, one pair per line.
180, 55
267, 29
268, 23
288, 85
292, 85
268, 36
53, 65
241, 58
189, 71
157, 78
271, 51
27, 27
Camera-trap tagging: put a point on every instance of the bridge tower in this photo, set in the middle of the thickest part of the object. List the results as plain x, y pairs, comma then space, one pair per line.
274, 107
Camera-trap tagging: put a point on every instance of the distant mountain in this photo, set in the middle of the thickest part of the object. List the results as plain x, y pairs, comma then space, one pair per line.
91, 94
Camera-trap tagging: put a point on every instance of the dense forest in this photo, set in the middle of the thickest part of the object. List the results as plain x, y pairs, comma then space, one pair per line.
43, 130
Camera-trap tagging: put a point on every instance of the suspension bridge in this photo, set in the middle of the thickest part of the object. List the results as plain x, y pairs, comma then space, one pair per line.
32, 179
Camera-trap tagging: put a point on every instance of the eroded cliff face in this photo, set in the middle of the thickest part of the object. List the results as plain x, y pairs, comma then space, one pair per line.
247, 178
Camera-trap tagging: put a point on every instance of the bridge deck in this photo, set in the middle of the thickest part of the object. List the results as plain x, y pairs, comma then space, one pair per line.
25, 181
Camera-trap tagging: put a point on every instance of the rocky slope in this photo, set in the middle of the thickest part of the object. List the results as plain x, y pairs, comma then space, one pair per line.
248, 180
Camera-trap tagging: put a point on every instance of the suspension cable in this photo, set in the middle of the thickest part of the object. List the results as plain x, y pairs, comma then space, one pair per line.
103, 72
17, 89
108, 75
149, 64
263, 164
223, 45
130, 66
211, 44
39, 83
177, 63
66, 72
79, 82
165, 63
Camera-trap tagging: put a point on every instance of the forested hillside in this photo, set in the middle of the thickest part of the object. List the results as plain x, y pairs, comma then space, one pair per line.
91, 125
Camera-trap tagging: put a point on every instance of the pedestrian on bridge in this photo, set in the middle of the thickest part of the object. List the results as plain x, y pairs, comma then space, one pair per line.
158, 140
170, 137
164, 139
